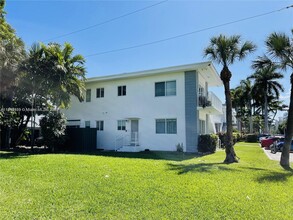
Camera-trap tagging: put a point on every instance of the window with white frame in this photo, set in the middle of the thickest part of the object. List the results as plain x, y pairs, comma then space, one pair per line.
121, 125
166, 126
100, 125
88, 95
121, 90
167, 88
202, 126
100, 92
87, 124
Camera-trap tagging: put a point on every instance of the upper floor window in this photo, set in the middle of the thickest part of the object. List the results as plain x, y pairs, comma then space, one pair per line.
167, 88
100, 125
166, 126
100, 92
88, 95
121, 90
121, 125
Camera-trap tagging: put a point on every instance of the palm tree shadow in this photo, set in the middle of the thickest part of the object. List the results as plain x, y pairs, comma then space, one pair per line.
274, 176
200, 167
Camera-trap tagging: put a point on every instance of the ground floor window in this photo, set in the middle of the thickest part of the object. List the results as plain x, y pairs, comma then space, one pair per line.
87, 124
121, 125
166, 126
202, 126
100, 125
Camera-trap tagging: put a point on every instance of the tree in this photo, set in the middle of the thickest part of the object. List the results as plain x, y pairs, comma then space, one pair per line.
266, 84
52, 76
280, 48
11, 53
53, 127
225, 51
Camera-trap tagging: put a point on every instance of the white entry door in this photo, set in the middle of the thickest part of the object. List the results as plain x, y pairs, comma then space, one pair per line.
134, 132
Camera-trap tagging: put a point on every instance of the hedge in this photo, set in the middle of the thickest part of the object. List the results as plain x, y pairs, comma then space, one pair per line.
207, 143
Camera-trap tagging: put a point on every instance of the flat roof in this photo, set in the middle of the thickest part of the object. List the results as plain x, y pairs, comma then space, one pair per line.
206, 69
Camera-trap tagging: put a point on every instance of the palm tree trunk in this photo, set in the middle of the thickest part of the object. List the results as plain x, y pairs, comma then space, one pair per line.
250, 117
229, 149
285, 156
266, 128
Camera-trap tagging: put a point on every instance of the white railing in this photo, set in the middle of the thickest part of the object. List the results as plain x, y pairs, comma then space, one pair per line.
215, 101
131, 139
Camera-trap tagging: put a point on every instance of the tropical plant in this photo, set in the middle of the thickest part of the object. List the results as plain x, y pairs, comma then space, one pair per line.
225, 51
266, 84
11, 53
53, 127
280, 49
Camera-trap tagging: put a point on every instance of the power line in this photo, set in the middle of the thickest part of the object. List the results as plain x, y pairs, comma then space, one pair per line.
189, 33
107, 21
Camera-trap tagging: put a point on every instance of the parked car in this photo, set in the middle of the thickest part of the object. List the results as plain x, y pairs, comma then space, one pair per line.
267, 142
263, 136
278, 146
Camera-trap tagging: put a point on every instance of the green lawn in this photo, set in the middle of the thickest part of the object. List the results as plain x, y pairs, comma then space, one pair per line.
149, 185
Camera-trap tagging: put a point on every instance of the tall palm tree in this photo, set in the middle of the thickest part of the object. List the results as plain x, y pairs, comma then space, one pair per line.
225, 51
67, 74
246, 88
266, 83
280, 48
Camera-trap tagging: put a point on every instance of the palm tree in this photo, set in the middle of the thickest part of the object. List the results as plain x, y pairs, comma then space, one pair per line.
280, 48
265, 83
246, 88
67, 74
225, 51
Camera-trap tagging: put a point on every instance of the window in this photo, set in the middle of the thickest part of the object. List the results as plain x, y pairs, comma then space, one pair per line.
121, 90
167, 88
87, 124
88, 95
100, 92
166, 126
121, 125
100, 125
202, 126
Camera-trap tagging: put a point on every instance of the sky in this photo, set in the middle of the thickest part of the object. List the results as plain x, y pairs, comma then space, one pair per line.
44, 21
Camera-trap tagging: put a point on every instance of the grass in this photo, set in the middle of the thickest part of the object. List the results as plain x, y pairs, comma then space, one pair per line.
149, 185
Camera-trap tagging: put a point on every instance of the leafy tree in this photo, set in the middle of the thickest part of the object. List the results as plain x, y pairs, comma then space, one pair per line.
51, 76
53, 127
11, 53
267, 85
225, 51
280, 49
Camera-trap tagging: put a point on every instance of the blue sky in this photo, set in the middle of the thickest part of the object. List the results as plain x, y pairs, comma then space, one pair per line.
42, 20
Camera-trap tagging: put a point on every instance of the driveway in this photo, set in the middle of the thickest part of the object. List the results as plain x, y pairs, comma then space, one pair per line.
276, 156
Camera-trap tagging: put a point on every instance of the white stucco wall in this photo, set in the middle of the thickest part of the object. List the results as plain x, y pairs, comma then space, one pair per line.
139, 102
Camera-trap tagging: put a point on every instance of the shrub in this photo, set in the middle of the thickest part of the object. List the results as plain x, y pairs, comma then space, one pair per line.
207, 143
53, 127
223, 137
179, 147
251, 138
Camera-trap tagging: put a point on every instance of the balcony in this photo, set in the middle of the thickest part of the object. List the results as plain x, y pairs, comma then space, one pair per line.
210, 103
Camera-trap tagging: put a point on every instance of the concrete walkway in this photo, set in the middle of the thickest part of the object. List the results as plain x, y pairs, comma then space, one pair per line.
276, 156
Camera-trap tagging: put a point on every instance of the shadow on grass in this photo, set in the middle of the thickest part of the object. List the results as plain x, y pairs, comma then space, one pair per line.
12, 155
274, 176
200, 167
153, 155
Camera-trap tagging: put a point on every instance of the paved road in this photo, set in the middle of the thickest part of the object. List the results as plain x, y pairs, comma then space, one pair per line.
276, 156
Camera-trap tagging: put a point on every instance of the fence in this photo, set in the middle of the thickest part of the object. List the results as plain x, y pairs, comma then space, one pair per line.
81, 139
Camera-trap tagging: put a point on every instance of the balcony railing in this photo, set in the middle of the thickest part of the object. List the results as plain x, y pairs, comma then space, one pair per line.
210, 101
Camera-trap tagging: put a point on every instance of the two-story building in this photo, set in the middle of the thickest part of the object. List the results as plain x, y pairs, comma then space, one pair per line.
153, 109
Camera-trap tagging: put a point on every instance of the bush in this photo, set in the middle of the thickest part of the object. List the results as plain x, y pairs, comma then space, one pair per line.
207, 143
53, 127
251, 138
223, 137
